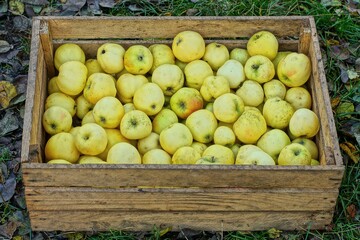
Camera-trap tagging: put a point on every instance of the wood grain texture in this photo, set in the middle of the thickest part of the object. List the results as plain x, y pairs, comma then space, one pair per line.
180, 199
201, 220
46, 42
168, 27
114, 176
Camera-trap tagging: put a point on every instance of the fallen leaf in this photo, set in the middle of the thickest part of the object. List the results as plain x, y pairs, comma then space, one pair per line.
73, 5
350, 150
357, 64
335, 102
36, 2
274, 233
3, 8
355, 129
134, 8
8, 229
94, 7
352, 74
340, 52
331, 42
344, 75
351, 211
331, 3
344, 108
16, 7
107, 3
191, 12
8, 123
7, 190
164, 231
7, 92
4, 46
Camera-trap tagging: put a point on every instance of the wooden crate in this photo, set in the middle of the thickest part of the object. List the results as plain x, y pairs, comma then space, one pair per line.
137, 197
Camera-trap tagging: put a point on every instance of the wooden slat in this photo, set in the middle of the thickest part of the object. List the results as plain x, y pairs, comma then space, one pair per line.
46, 42
114, 176
207, 221
90, 47
168, 27
304, 41
179, 199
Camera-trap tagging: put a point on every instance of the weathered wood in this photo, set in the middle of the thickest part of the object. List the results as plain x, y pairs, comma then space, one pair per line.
180, 199
90, 47
46, 42
182, 176
304, 41
168, 27
146, 220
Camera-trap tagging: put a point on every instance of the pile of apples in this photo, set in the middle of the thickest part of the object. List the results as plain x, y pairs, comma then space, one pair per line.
191, 103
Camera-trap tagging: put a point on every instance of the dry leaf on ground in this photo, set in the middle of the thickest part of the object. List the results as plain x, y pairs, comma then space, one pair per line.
350, 150
7, 92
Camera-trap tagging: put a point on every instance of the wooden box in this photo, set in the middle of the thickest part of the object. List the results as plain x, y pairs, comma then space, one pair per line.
139, 197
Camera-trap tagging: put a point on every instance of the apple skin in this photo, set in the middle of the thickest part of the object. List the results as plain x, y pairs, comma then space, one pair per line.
185, 155
274, 88
91, 139
186, 101
233, 71
149, 98
61, 100
240, 54
68, 52
223, 154
99, 85
127, 84
310, 145
163, 119
56, 119
72, 77
253, 155
294, 70
277, 112
195, 73
259, 68
62, 146
148, 143
263, 43
216, 55
298, 97
175, 136
138, 59
228, 107
169, 77
188, 46
304, 123
111, 57
156, 156
251, 92
123, 153
213, 87
108, 112
135, 125
93, 66
294, 154
202, 124
273, 141
224, 136
162, 54
83, 106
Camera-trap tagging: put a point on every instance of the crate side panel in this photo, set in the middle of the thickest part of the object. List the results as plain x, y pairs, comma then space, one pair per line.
206, 221
168, 199
115, 176
168, 27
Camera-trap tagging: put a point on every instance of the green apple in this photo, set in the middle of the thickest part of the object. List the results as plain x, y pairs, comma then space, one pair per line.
185, 155
250, 126
273, 141
298, 97
91, 139
163, 119
108, 112
294, 154
111, 57
188, 46
213, 87
56, 119
277, 112
186, 101
233, 71
220, 154
202, 125
175, 136
310, 145
259, 68
294, 70
61, 146
304, 123
274, 88
138, 59
135, 125
169, 77
239, 54
127, 84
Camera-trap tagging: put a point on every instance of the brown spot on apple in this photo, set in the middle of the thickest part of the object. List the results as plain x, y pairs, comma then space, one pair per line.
102, 119
103, 51
179, 40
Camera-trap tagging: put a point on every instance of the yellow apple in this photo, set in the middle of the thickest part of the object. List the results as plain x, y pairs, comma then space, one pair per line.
233, 71
74, 131
52, 86
113, 136
61, 100
294, 154
277, 112
93, 66
99, 85
198, 146
91, 160
220, 154
213, 87
259, 68
162, 54
123, 153
235, 149
216, 55
224, 136
278, 58
251, 92
68, 52
138, 59
135, 125
228, 107
175, 136
111, 57
149, 98
185, 155
186, 101
148, 143
163, 119
156, 156
304, 123
294, 69
239, 54
274, 88
56, 119
61, 146
314, 162
72, 77
202, 125
83, 106
108, 112
195, 73
250, 126
253, 155
58, 161
263, 43
210, 107
127, 84
91, 139
188, 46
88, 118
180, 64
273, 141
310, 145
298, 97
169, 77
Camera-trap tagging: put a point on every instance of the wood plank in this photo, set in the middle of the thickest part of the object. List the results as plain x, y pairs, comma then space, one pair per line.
46, 42
304, 41
207, 221
115, 176
168, 27
90, 47
179, 199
